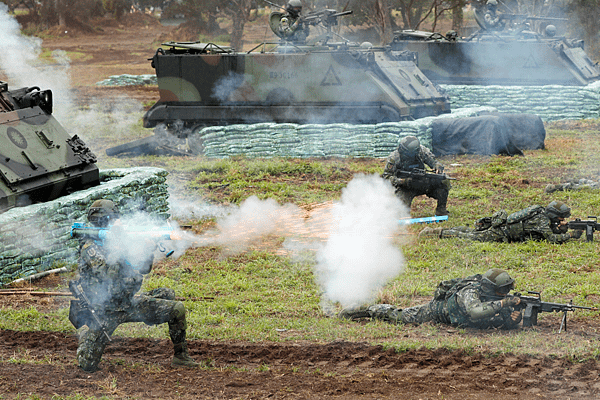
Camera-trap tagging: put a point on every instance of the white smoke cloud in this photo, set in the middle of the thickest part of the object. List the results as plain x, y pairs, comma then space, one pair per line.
359, 256
353, 238
20, 61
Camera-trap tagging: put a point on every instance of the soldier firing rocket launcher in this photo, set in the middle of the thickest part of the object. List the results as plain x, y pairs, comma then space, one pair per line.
138, 232
79, 230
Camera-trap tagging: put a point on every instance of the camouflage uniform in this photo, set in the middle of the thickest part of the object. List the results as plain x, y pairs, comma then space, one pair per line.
291, 26
111, 287
573, 185
464, 304
407, 191
531, 223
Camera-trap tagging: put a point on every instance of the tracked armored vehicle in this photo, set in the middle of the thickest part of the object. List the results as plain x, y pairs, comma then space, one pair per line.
321, 81
512, 53
39, 161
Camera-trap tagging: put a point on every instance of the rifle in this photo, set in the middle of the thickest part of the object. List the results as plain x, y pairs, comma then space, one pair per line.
589, 226
425, 178
533, 305
83, 299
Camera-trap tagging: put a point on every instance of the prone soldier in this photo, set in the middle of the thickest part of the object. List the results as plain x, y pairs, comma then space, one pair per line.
532, 223
478, 301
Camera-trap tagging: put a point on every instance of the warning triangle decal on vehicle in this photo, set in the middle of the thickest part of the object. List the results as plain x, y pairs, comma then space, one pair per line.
331, 78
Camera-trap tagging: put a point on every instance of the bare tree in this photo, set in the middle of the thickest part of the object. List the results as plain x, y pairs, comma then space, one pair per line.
239, 12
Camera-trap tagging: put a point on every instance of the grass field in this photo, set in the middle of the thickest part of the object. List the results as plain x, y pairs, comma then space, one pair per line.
265, 292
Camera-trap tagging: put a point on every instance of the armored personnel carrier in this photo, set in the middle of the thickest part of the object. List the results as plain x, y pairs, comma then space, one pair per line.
318, 81
512, 52
39, 161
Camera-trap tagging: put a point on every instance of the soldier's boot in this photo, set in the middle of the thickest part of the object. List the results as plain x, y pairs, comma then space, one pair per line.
441, 210
355, 312
181, 356
437, 232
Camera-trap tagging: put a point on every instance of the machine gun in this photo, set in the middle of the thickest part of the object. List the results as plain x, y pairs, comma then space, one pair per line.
533, 305
84, 306
589, 226
325, 17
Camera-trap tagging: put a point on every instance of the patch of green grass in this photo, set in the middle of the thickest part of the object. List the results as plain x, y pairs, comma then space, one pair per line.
260, 295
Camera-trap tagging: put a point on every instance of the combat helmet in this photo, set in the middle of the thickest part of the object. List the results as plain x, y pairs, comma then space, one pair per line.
492, 3
294, 7
557, 209
409, 145
495, 281
102, 212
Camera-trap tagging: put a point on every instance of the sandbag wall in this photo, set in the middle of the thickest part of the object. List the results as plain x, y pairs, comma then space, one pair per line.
315, 140
550, 103
36, 238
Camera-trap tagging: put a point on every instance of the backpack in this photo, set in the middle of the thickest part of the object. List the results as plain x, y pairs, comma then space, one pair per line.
524, 214
446, 289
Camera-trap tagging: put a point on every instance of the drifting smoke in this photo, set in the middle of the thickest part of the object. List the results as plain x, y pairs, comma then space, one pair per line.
359, 256
353, 238
19, 60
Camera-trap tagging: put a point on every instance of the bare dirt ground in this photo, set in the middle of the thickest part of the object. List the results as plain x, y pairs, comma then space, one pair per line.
43, 363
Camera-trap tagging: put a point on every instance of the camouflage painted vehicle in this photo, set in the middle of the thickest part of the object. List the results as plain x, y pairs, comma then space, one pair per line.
511, 54
321, 81
39, 161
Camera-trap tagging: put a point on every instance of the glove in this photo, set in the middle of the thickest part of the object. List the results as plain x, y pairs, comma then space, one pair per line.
576, 234
510, 301
439, 168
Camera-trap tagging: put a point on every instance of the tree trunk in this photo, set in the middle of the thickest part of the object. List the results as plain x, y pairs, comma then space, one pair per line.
239, 15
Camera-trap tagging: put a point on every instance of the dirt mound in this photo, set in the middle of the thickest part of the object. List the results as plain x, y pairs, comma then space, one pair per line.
43, 363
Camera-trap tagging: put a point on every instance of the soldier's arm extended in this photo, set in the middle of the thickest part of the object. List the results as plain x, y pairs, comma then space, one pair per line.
428, 158
470, 300
489, 314
541, 224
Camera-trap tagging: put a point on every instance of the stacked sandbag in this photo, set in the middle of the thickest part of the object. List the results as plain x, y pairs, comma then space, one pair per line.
37, 237
315, 140
551, 103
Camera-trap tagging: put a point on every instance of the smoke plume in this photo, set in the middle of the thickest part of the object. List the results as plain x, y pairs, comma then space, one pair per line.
20, 61
359, 256
353, 238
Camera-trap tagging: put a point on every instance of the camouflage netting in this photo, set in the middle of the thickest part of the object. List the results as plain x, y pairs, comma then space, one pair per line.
550, 103
315, 140
37, 237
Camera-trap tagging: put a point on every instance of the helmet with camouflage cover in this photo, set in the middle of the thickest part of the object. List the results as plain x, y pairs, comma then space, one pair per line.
492, 3
102, 212
294, 7
557, 209
497, 281
409, 145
